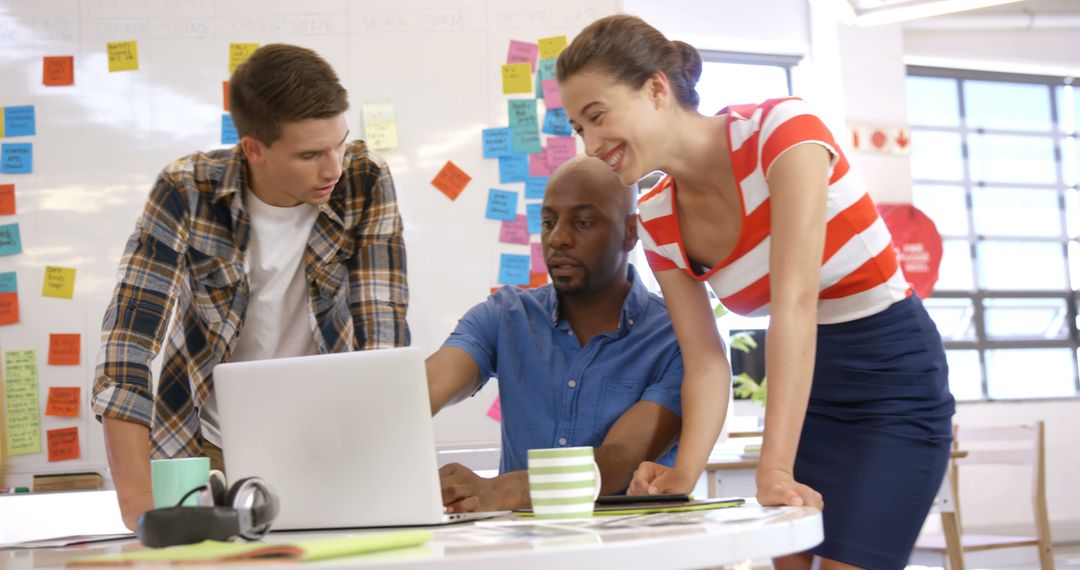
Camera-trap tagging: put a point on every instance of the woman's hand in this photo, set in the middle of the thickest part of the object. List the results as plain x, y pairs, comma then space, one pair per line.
655, 479
778, 487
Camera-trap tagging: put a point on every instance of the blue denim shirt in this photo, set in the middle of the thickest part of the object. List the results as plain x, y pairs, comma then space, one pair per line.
554, 392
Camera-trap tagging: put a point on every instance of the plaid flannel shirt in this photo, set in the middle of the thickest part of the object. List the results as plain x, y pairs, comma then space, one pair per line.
187, 252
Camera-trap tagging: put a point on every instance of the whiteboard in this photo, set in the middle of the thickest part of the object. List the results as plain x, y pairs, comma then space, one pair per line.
100, 143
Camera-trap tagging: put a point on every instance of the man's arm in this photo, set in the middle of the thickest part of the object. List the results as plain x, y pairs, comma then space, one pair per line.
644, 432
127, 446
452, 376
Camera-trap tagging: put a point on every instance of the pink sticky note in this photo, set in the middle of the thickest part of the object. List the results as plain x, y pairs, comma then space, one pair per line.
516, 231
522, 52
495, 411
538, 164
552, 97
538, 265
559, 150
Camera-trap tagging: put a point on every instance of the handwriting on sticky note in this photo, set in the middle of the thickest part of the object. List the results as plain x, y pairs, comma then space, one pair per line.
239, 52
532, 213
63, 349
496, 142
495, 410
552, 96
451, 180
63, 443
538, 165
560, 150
63, 401
21, 397
525, 140
513, 269
9, 308
10, 242
16, 158
9, 282
522, 113
546, 70
535, 186
7, 199
536, 254
380, 127
516, 78
228, 130
522, 52
19, 121
59, 282
551, 47
501, 205
58, 70
513, 168
516, 231
557, 123
123, 56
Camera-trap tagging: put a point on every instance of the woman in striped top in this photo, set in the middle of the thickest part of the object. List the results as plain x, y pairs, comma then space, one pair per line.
759, 203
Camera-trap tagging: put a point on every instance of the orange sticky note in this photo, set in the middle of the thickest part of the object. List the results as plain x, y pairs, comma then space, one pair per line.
9, 308
7, 199
63, 402
451, 180
58, 70
537, 279
63, 443
63, 349
225, 95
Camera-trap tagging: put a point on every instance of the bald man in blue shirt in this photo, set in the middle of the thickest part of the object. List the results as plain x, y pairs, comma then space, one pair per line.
590, 360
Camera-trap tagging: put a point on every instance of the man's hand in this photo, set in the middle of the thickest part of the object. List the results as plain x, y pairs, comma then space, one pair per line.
465, 491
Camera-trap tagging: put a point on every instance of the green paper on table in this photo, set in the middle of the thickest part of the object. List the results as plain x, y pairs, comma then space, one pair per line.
307, 551
646, 508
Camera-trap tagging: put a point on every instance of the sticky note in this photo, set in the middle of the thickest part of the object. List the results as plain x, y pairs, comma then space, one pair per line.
228, 130
525, 140
9, 308
537, 279
21, 396
536, 254
59, 282
1, 123
10, 243
532, 213
557, 123
63, 349
19, 121
17, 158
535, 186
522, 113
538, 165
513, 269
8, 282
63, 443
516, 231
513, 168
546, 70
552, 95
451, 180
63, 402
560, 150
225, 96
58, 70
497, 142
495, 410
501, 205
522, 52
123, 56
551, 47
380, 126
7, 199
516, 78
238, 53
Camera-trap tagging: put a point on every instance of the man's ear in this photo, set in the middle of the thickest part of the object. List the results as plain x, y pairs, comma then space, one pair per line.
630, 240
253, 149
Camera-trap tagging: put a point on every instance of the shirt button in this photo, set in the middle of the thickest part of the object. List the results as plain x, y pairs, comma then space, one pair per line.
571, 383
630, 322
562, 441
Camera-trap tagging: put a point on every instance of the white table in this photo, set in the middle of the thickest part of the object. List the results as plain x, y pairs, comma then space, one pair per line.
709, 538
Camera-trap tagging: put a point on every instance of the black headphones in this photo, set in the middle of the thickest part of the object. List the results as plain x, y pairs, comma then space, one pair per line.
245, 510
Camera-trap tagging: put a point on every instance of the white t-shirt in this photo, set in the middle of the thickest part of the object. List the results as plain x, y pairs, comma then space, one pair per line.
276, 320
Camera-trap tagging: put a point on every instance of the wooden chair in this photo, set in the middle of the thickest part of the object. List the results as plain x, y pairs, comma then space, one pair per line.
1013, 445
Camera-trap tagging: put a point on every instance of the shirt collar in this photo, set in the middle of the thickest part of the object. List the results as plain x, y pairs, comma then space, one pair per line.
633, 307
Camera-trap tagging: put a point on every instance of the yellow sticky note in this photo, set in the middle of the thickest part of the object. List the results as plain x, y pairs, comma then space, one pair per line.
517, 78
551, 47
380, 128
238, 53
1, 122
123, 56
59, 282
21, 394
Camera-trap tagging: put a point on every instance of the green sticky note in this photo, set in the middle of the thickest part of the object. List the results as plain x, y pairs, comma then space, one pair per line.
21, 394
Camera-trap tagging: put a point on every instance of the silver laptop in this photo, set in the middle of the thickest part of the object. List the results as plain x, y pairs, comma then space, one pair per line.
345, 439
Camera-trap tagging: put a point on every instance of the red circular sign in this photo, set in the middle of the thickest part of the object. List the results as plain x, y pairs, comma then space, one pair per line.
917, 243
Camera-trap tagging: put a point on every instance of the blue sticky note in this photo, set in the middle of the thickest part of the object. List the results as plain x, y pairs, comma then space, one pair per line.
228, 130
535, 186
18, 158
532, 214
513, 168
502, 205
10, 243
19, 121
526, 140
8, 284
522, 113
557, 123
497, 142
545, 70
514, 269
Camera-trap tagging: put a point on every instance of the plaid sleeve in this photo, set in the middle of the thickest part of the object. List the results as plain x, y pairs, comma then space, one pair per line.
136, 319
379, 290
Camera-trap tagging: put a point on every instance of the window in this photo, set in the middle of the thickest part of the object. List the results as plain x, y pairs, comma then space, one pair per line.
995, 162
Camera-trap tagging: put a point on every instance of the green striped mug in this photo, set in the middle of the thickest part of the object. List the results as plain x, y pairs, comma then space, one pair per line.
563, 482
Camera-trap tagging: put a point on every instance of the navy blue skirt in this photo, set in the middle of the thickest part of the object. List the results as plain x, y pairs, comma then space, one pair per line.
877, 434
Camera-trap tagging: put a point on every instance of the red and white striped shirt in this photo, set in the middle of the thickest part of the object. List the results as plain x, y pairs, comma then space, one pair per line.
860, 274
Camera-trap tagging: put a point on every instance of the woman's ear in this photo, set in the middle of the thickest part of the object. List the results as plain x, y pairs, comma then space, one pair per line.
658, 89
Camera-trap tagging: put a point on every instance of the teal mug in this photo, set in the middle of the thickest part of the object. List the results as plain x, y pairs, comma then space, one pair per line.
172, 479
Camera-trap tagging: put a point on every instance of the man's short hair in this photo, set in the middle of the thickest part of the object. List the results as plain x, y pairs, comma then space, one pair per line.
283, 83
